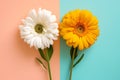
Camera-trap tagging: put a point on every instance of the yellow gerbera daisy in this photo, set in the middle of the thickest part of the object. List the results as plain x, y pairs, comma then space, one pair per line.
79, 28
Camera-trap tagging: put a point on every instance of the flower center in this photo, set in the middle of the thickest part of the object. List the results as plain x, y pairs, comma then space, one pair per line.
80, 28
39, 28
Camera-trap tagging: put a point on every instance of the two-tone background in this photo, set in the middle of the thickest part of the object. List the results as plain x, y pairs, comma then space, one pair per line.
101, 61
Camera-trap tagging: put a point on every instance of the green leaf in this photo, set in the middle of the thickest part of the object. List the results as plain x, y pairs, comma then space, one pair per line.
71, 52
50, 51
40, 62
42, 54
79, 60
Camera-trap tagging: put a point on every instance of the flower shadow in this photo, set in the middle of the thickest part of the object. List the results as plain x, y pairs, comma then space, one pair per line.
23, 47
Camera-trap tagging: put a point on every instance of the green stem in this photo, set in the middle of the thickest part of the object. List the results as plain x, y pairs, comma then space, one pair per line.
73, 56
49, 70
48, 65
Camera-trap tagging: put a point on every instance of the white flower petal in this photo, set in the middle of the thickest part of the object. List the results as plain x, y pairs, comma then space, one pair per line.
30, 36
25, 29
26, 23
35, 44
53, 18
33, 14
39, 43
20, 27
51, 36
46, 11
40, 16
53, 25
32, 41
44, 40
23, 34
46, 16
55, 31
29, 20
28, 41
51, 41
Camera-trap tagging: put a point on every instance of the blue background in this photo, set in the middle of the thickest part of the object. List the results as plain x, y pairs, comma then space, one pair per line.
102, 60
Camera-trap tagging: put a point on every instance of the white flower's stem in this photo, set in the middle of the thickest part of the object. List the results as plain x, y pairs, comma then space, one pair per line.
48, 62
49, 70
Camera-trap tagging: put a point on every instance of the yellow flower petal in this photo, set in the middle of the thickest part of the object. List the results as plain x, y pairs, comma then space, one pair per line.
68, 43
96, 32
92, 27
80, 44
85, 16
85, 43
89, 39
76, 41
67, 29
93, 21
93, 36
68, 36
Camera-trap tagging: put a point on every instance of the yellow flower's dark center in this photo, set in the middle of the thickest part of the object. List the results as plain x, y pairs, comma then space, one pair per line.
39, 28
80, 28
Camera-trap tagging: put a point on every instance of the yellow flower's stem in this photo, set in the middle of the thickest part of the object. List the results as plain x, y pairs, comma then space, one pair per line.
73, 56
48, 62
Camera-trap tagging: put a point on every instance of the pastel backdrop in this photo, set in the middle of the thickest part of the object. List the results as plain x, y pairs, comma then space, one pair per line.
17, 59
102, 60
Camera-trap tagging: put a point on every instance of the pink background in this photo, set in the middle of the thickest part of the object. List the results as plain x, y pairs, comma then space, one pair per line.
17, 59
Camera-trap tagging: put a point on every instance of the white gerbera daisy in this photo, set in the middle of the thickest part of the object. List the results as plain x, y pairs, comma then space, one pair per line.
39, 29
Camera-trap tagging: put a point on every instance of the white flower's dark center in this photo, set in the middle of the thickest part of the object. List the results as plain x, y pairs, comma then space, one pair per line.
39, 28
80, 28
